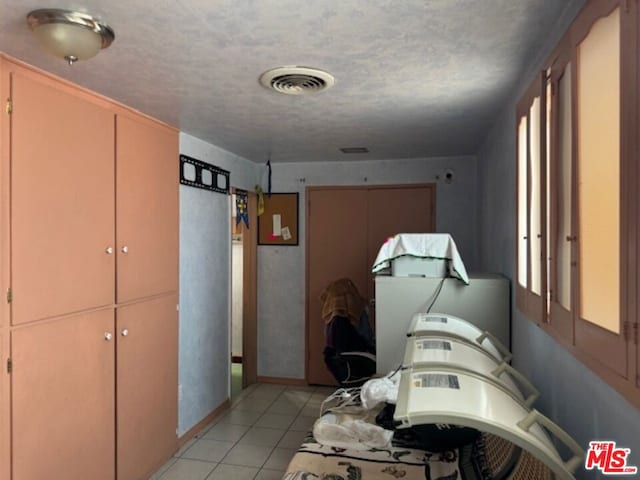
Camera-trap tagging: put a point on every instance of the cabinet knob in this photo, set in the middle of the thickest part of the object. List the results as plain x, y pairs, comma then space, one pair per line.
109, 250
108, 336
125, 249
124, 332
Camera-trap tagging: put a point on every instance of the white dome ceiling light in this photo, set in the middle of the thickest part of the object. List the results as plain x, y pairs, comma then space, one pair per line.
70, 35
297, 80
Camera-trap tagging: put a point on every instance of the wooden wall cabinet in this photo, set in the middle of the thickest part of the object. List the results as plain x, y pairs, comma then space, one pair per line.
62, 204
147, 379
63, 398
90, 243
146, 208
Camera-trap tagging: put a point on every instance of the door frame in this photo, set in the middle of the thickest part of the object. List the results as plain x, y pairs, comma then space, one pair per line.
250, 296
434, 188
249, 293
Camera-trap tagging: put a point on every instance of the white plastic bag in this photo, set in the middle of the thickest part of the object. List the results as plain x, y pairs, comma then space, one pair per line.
345, 431
380, 390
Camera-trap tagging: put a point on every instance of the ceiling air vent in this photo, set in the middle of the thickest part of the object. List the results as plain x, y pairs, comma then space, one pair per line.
297, 80
354, 150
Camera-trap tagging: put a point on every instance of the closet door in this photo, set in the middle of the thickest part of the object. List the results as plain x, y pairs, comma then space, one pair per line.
62, 205
346, 226
393, 210
63, 405
336, 248
147, 376
147, 208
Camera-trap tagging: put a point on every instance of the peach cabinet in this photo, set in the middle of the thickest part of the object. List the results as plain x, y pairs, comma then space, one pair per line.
64, 399
89, 256
146, 208
147, 376
62, 203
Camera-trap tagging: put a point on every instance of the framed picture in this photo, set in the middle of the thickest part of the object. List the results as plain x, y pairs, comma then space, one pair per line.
278, 225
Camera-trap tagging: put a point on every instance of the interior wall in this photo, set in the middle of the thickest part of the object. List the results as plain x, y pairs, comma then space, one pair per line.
205, 267
281, 270
573, 396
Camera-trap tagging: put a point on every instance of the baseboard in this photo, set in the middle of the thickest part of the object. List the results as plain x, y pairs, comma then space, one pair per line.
193, 431
298, 382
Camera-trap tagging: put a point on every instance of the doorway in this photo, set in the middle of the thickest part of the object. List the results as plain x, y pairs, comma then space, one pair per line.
346, 226
243, 327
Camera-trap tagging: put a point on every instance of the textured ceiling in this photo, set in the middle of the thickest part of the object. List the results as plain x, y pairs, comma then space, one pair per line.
414, 78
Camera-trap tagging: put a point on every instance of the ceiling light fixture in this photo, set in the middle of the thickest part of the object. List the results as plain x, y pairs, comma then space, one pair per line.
70, 35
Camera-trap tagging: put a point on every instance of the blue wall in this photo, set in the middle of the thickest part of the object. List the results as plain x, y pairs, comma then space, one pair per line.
205, 267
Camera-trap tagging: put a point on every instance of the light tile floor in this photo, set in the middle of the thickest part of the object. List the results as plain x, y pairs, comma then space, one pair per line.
253, 440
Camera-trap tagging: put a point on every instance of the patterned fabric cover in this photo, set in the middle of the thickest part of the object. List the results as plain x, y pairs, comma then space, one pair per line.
318, 462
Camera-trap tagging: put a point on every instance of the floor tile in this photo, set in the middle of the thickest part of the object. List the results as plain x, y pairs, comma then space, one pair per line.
253, 404
286, 406
292, 439
267, 391
302, 388
163, 469
266, 396
267, 437
280, 458
209, 426
226, 432
188, 470
310, 411
208, 450
241, 417
233, 472
185, 447
275, 420
316, 399
247, 455
302, 423
266, 474
271, 387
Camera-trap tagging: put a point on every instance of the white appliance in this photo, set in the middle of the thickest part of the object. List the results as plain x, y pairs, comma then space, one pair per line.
434, 350
449, 396
419, 267
484, 302
427, 324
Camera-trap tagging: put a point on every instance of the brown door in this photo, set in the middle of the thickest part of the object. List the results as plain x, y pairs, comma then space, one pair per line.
147, 208
62, 206
63, 399
147, 379
345, 228
391, 211
336, 248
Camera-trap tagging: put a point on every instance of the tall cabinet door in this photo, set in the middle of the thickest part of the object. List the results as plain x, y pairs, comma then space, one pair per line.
63, 405
62, 205
147, 208
147, 376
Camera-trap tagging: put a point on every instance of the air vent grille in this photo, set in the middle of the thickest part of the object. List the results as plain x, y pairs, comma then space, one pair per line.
348, 150
297, 80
